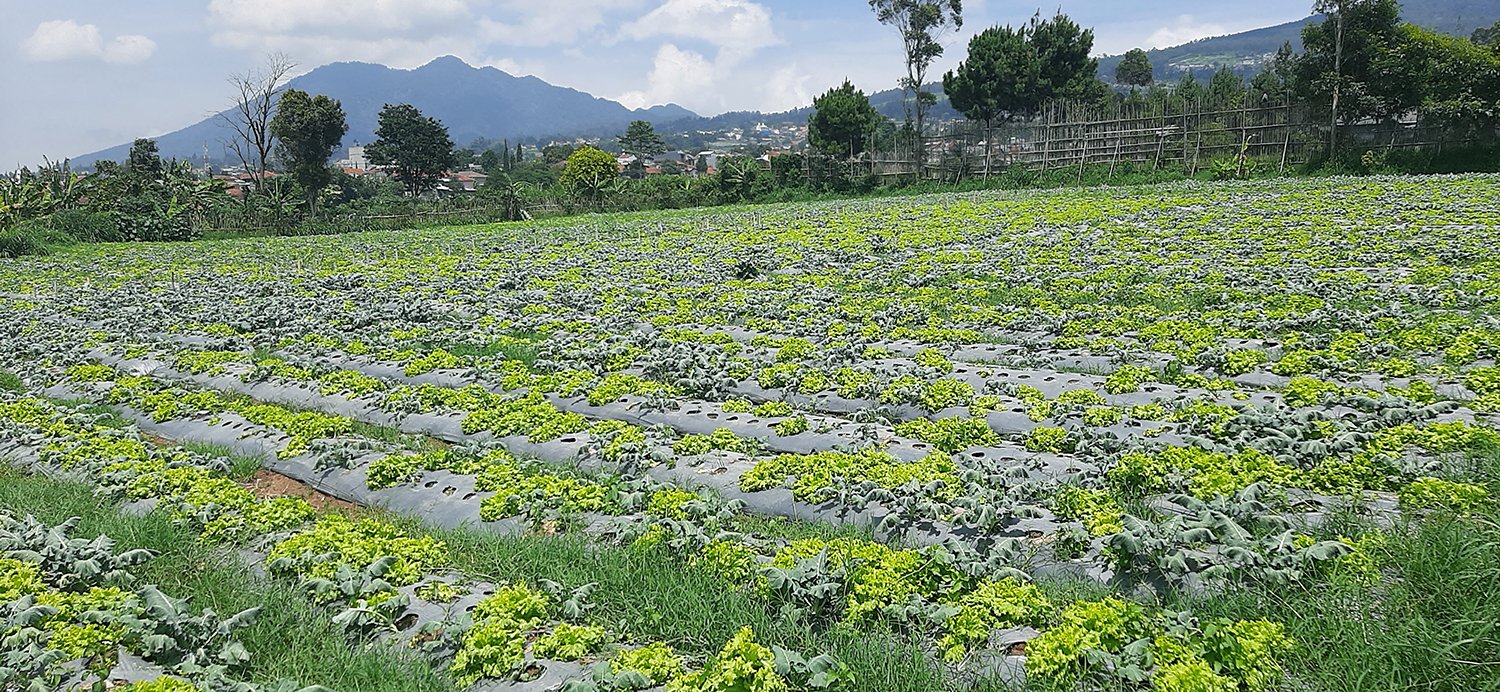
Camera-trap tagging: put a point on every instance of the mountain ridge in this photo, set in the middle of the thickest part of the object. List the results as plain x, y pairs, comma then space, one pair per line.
471, 101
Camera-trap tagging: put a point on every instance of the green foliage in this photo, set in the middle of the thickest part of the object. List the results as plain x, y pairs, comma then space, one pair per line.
437, 359
1199, 472
771, 409
308, 129
656, 661
842, 121
640, 138
950, 434
1061, 654
1045, 439
999, 80
18, 579
1127, 379
165, 683
1243, 360
490, 649
669, 503
1443, 495
569, 642
1247, 651
1191, 675
793, 426
741, 666
539, 495
878, 576
416, 146
1135, 69
815, 472
1097, 509
349, 382
729, 560
588, 171
338, 540
1102, 416
941, 394
991, 606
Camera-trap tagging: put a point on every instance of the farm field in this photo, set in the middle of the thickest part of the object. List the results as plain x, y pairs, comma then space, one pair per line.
1183, 437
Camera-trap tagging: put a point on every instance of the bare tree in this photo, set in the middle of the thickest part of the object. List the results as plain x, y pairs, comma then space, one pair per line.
250, 117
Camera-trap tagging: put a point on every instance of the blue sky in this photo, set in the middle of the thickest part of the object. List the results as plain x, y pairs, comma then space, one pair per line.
85, 74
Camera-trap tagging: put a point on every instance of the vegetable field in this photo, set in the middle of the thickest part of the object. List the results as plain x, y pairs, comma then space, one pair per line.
1188, 437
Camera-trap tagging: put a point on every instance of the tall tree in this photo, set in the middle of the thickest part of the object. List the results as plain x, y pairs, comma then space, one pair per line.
309, 129
1188, 91
417, 146
921, 24
1063, 48
641, 139
1340, 56
1277, 79
144, 161
249, 119
996, 82
842, 121
1226, 90
1135, 69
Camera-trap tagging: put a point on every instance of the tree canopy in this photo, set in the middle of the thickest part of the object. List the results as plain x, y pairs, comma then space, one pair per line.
998, 79
641, 139
1348, 57
417, 146
842, 121
308, 129
589, 170
1135, 69
1012, 72
1063, 48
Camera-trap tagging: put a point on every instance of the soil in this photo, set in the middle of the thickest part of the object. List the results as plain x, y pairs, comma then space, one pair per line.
268, 484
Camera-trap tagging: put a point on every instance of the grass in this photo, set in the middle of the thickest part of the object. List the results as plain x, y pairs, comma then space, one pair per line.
642, 594
1433, 625
645, 594
11, 382
291, 639
241, 467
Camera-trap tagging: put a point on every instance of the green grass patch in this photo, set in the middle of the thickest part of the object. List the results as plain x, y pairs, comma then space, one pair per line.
241, 467
1432, 624
291, 639
646, 594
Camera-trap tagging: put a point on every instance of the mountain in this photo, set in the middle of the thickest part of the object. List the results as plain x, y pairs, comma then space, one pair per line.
472, 102
1246, 51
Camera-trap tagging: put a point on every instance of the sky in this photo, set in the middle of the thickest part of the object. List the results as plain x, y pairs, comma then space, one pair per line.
83, 75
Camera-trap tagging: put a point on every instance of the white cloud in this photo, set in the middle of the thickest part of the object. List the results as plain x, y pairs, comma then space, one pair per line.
677, 76
738, 28
65, 39
532, 23
787, 89
1185, 29
400, 33
346, 18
